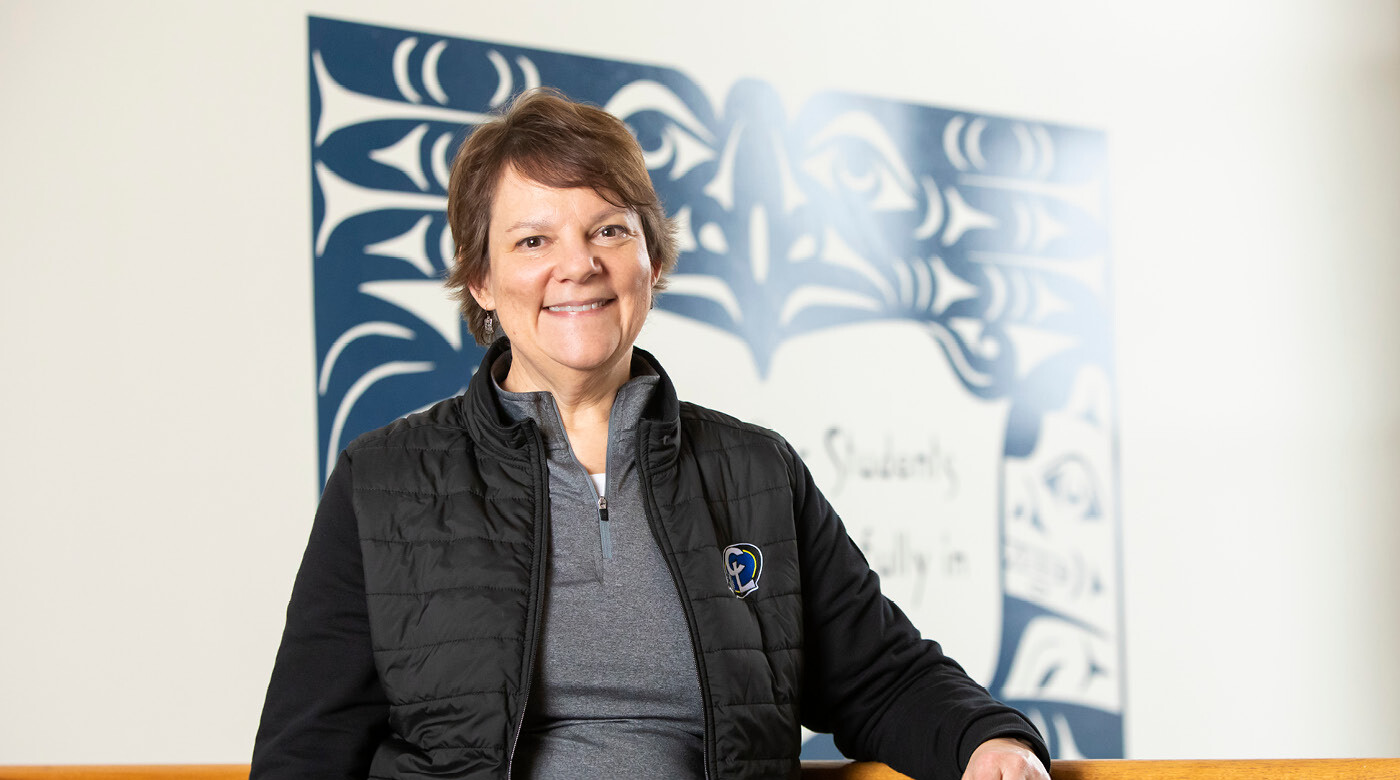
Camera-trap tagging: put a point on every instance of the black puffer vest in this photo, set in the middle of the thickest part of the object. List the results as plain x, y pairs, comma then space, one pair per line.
453, 510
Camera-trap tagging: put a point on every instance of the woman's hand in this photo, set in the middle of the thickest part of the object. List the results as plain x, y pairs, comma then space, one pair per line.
1004, 759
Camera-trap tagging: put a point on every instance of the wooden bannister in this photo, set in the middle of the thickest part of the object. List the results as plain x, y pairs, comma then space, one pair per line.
127, 772
1275, 769
1106, 769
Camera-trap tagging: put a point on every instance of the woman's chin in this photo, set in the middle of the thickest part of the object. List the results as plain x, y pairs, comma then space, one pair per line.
588, 357
592, 362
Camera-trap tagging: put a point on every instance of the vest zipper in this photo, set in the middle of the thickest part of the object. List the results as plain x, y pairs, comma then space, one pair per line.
537, 586
664, 542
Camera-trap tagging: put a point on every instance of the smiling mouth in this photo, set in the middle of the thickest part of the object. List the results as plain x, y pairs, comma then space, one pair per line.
568, 307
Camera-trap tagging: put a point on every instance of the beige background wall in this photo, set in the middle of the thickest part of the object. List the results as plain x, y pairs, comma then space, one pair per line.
156, 356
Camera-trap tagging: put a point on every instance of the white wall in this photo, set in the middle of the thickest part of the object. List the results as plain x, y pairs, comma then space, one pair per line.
157, 471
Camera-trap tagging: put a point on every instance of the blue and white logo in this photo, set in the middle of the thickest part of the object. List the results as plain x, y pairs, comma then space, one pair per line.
743, 564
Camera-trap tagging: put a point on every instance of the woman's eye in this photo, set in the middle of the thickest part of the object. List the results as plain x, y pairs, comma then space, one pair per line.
612, 231
533, 242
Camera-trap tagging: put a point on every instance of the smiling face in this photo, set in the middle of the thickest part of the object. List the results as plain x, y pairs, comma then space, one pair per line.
569, 280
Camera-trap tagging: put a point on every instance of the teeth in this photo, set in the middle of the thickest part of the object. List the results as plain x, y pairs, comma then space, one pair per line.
583, 307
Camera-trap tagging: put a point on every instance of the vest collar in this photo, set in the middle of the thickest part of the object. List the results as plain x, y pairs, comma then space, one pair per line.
481, 413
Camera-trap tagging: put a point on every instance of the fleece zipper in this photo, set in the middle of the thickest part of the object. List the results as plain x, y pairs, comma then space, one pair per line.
600, 499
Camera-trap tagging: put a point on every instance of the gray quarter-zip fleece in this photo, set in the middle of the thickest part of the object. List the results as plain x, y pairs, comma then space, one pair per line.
616, 686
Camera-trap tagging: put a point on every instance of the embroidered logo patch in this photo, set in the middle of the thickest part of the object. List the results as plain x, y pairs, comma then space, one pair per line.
743, 563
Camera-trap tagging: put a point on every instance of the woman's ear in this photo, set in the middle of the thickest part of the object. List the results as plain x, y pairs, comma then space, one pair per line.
651, 291
481, 293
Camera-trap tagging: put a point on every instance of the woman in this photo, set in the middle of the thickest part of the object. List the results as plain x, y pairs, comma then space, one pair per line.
565, 571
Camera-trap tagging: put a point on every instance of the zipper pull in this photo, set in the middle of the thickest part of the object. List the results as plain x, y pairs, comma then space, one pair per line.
603, 508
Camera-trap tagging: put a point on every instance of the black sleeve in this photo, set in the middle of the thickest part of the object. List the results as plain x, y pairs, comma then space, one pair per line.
325, 710
883, 692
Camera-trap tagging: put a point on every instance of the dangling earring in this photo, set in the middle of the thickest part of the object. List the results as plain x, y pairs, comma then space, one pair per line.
490, 329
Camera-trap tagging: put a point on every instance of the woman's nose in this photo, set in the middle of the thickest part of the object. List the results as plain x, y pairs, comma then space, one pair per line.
578, 262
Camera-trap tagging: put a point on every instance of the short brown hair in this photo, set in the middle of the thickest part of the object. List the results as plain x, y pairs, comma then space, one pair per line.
554, 141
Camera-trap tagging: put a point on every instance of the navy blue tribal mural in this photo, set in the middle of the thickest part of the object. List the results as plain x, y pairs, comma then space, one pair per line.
972, 248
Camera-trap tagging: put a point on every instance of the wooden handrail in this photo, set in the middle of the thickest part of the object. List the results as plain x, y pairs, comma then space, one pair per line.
1274, 769
1099, 769
127, 772
1111, 769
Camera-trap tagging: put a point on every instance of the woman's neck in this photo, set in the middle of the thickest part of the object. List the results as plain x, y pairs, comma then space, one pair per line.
584, 400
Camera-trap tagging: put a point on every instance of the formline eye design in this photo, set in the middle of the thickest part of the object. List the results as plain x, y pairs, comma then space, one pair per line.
854, 155
1071, 483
